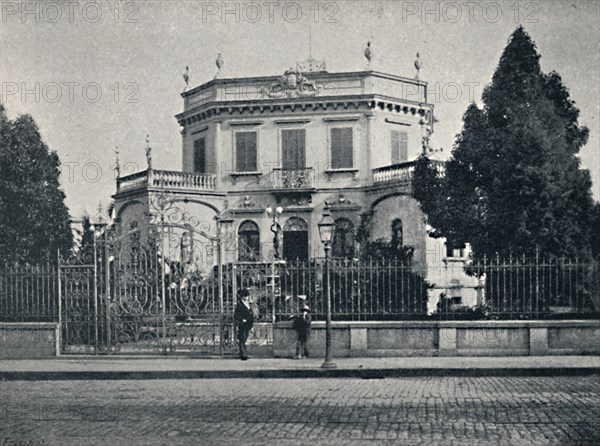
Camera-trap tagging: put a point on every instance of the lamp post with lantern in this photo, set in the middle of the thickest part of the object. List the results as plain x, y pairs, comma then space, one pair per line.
326, 228
276, 230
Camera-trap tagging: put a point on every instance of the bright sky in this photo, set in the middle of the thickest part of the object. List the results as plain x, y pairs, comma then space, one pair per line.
105, 74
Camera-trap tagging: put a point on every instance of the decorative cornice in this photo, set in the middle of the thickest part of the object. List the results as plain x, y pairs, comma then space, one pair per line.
384, 103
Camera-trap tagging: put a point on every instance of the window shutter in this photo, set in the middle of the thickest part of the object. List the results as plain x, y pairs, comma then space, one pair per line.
399, 147
240, 152
293, 149
251, 152
395, 147
341, 148
245, 152
200, 155
403, 146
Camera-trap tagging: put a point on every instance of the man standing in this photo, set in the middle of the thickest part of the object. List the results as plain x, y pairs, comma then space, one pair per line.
302, 326
244, 320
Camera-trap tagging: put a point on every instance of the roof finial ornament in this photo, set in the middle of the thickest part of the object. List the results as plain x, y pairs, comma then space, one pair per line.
117, 163
369, 53
99, 214
220, 64
148, 152
418, 65
186, 77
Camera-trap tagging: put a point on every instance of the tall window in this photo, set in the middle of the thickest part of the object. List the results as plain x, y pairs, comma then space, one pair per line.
341, 148
200, 155
343, 238
293, 149
397, 234
248, 242
399, 147
245, 152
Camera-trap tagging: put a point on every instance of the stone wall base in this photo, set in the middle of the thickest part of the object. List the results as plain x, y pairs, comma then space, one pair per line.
456, 338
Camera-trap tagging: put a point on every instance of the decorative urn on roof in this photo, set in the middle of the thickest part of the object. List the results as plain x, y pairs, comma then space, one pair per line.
369, 52
220, 64
418, 65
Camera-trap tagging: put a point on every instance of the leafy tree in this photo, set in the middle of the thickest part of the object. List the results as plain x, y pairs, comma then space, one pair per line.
513, 184
595, 238
34, 220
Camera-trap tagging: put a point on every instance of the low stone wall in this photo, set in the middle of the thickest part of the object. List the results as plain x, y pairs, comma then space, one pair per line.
451, 338
28, 340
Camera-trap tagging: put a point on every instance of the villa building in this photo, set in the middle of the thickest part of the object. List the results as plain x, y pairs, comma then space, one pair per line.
296, 144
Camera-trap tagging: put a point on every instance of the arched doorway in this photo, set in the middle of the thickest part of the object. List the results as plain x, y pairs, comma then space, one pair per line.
248, 242
295, 239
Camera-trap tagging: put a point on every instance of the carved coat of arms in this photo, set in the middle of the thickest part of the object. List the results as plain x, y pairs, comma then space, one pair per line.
292, 84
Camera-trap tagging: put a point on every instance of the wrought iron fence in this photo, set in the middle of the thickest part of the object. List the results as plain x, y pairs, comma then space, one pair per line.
360, 290
28, 293
538, 288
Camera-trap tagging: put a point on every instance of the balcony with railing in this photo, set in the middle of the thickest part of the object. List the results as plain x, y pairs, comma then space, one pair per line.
400, 174
166, 179
292, 179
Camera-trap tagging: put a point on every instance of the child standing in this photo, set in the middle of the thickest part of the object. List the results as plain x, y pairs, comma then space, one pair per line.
302, 327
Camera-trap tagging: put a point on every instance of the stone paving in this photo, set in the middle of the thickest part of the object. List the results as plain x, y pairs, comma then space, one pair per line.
411, 411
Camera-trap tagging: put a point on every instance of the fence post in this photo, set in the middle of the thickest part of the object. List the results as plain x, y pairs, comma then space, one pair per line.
221, 284
59, 294
95, 296
107, 291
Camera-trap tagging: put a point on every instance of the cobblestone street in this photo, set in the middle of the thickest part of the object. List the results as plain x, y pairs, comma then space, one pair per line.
453, 411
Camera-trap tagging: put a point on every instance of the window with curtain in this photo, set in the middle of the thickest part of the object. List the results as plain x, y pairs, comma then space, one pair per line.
343, 239
245, 152
341, 148
200, 155
293, 150
248, 242
399, 147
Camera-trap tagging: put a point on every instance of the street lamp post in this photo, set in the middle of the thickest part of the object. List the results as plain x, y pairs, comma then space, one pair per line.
276, 230
326, 227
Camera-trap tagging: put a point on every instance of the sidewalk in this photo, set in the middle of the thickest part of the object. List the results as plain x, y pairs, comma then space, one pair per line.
144, 367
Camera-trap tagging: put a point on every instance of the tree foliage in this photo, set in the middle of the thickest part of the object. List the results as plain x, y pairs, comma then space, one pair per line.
34, 220
514, 184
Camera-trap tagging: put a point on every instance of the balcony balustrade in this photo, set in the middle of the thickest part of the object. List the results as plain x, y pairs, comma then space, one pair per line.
401, 173
166, 179
292, 179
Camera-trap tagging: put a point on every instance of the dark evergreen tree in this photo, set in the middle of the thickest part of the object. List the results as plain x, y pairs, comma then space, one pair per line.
514, 184
34, 220
87, 235
595, 230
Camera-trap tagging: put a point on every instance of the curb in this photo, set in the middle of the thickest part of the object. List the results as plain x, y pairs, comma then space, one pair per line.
298, 374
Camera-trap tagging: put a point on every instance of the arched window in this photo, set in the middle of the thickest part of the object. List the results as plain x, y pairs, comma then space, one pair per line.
343, 239
397, 241
248, 242
295, 239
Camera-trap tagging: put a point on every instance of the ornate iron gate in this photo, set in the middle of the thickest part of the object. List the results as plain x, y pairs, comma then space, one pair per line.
156, 287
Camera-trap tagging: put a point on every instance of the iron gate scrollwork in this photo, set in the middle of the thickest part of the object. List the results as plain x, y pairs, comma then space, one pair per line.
151, 287
163, 284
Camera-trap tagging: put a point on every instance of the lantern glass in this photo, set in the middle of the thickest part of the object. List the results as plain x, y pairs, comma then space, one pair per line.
326, 227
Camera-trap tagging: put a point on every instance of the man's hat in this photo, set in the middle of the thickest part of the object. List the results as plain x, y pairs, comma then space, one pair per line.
244, 292
306, 308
